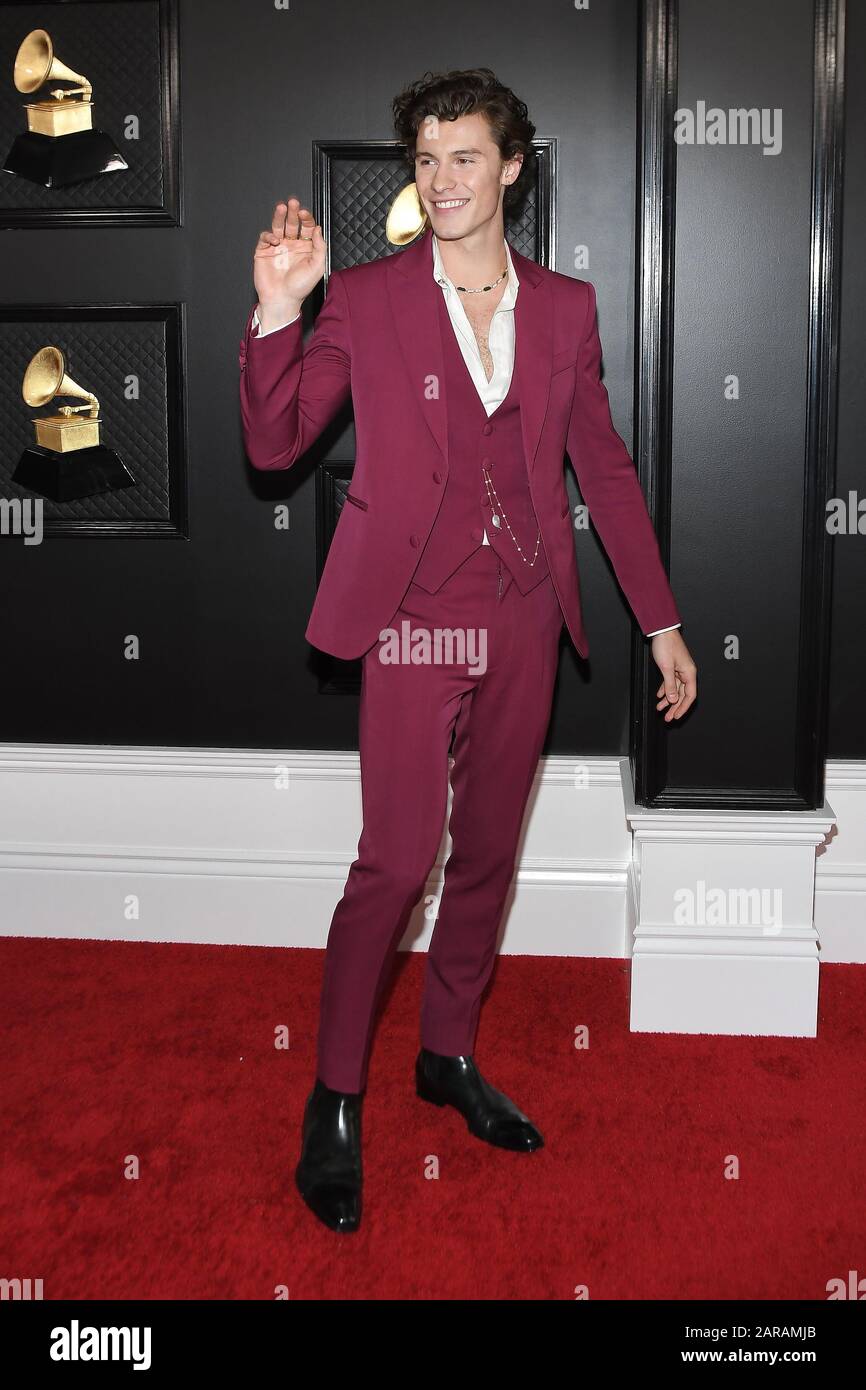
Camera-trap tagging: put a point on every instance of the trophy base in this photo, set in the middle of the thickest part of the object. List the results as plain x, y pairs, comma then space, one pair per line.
58, 160
66, 477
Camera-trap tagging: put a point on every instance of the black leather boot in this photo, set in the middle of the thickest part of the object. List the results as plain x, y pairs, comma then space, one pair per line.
489, 1114
328, 1175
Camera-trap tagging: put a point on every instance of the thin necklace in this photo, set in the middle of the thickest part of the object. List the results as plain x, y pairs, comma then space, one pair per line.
497, 510
483, 288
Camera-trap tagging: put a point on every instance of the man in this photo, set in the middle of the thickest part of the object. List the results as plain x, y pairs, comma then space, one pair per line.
471, 370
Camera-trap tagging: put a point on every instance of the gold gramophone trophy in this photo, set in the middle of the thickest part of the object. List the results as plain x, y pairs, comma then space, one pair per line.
68, 461
406, 217
60, 145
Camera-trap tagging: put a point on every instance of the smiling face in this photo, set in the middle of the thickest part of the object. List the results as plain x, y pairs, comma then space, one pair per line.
460, 174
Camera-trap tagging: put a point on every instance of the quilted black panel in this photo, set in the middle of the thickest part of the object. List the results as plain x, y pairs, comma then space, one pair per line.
99, 355
340, 488
333, 481
116, 47
356, 184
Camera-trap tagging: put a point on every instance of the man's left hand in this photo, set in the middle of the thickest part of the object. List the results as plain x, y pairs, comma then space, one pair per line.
679, 688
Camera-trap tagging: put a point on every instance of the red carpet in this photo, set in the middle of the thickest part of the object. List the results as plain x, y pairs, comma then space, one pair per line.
167, 1053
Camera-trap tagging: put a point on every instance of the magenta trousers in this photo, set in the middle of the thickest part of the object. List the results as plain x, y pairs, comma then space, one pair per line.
495, 694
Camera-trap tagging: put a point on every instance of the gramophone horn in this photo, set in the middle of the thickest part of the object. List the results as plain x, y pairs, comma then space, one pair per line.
46, 378
35, 64
406, 217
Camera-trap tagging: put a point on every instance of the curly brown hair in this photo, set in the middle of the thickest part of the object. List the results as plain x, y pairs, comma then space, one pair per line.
462, 92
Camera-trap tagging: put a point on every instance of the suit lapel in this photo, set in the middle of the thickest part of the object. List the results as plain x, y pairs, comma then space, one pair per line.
413, 292
533, 350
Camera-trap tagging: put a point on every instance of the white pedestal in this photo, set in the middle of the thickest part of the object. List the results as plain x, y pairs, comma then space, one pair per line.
721, 907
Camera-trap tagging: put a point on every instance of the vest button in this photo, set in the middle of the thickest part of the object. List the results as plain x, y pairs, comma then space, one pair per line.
414, 541
437, 477
477, 533
487, 429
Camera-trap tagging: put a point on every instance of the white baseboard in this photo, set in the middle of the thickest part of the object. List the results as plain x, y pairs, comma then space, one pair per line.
840, 870
253, 847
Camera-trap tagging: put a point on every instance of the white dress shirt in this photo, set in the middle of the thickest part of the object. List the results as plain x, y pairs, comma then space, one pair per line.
500, 340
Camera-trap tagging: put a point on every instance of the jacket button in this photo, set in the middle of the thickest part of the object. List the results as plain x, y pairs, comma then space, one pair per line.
487, 429
414, 541
437, 477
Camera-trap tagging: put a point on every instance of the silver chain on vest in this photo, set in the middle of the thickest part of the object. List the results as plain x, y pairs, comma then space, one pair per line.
498, 516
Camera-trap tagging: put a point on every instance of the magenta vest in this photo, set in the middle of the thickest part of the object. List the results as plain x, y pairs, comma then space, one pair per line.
475, 439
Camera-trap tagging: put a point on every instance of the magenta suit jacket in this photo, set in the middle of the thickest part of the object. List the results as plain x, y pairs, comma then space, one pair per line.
377, 339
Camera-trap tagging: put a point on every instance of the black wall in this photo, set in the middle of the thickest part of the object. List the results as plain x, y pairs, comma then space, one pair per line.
221, 615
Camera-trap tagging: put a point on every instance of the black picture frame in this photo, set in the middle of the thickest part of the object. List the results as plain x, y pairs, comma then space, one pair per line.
333, 480
88, 516
168, 211
535, 236
658, 99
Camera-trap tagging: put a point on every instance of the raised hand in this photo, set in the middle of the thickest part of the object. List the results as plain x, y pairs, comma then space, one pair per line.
288, 262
